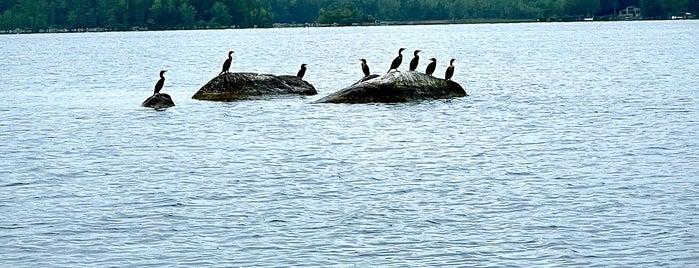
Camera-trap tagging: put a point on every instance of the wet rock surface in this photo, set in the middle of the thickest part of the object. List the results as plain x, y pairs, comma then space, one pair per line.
158, 101
402, 86
240, 86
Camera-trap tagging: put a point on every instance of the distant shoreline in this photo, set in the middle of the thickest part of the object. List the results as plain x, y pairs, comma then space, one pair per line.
305, 25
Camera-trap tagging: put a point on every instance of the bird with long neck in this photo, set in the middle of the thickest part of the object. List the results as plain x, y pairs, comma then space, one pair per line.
450, 70
365, 68
159, 85
227, 63
302, 71
397, 61
431, 67
415, 60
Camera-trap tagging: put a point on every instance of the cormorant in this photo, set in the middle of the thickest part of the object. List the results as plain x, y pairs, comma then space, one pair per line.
431, 67
227, 63
302, 71
397, 61
161, 82
365, 68
414, 61
450, 70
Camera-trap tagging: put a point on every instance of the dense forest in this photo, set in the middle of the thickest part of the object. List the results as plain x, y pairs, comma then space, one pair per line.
191, 14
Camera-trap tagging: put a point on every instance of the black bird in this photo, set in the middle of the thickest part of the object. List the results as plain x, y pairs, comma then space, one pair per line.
365, 68
302, 71
414, 61
397, 61
227, 63
161, 82
450, 70
431, 67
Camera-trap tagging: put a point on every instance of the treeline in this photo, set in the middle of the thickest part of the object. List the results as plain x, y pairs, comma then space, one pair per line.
190, 14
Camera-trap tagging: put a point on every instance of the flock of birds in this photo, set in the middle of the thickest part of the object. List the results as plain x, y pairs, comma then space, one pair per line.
413, 65
365, 68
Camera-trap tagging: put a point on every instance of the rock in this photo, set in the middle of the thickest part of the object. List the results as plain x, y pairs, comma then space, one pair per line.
401, 86
238, 86
158, 101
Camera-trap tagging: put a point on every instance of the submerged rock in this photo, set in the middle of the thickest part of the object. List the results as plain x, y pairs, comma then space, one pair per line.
158, 101
239, 86
402, 86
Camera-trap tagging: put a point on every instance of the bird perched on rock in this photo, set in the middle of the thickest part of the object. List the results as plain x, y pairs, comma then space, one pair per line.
227, 63
415, 60
430, 67
397, 61
302, 71
161, 82
365, 67
450, 70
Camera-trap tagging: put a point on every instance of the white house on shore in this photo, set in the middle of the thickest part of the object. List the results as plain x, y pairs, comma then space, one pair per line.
630, 12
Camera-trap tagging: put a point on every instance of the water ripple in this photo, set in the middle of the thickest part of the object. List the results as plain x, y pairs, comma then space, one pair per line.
563, 154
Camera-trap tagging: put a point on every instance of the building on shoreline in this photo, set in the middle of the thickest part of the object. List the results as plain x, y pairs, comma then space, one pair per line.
630, 12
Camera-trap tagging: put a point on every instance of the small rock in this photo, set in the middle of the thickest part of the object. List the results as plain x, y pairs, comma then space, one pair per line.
158, 101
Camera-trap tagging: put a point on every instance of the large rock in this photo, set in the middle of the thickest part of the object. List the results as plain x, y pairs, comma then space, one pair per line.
401, 86
238, 86
158, 101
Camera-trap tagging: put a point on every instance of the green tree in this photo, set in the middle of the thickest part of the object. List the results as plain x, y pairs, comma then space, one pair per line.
188, 14
220, 15
170, 14
260, 16
674, 6
29, 14
342, 16
693, 6
651, 8
583, 7
157, 13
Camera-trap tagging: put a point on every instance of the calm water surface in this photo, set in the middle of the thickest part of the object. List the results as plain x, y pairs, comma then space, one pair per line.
576, 147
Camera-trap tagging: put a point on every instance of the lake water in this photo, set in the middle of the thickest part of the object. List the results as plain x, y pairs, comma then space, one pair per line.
576, 147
